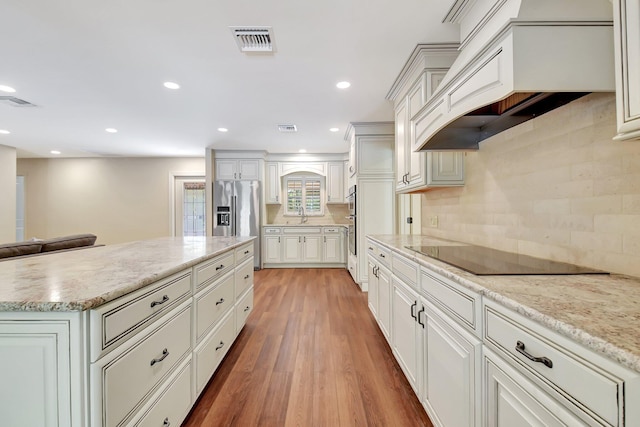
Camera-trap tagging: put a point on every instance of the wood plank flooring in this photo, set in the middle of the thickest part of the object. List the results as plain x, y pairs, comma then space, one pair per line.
311, 354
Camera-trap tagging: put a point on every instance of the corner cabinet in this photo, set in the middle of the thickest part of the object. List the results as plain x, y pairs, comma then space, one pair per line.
626, 23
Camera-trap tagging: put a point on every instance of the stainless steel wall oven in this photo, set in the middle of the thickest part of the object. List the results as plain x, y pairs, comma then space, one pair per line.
352, 220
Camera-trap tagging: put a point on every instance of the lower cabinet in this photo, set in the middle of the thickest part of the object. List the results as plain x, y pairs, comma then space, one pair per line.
212, 349
301, 249
406, 332
372, 293
384, 301
292, 246
451, 370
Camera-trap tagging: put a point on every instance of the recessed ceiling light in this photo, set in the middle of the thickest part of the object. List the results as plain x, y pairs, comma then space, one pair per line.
171, 85
343, 85
223, 130
111, 130
334, 130
4, 132
55, 152
7, 89
302, 150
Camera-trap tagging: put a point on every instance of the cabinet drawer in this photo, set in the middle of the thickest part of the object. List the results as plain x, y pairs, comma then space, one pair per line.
272, 230
210, 353
405, 269
459, 303
210, 270
244, 252
244, 277
173, 403
586, 385
302, 230
244, 307
128, 379
384, 256
212, 302
113, 322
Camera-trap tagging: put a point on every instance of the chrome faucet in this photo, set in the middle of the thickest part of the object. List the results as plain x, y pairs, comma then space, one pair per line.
303, 217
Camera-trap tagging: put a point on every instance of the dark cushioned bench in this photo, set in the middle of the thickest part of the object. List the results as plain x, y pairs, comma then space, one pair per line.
40, 247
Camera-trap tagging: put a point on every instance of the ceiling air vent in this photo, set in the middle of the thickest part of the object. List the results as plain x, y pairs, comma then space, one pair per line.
254, 39
287, 128
15, 102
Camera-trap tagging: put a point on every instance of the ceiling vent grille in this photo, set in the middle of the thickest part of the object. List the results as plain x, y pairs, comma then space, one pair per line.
254, 39
15, 102
287, 128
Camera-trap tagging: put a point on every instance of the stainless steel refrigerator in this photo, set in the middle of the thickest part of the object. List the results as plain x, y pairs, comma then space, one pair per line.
236, 210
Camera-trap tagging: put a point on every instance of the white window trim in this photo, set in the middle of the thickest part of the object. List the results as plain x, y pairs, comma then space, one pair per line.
304, 178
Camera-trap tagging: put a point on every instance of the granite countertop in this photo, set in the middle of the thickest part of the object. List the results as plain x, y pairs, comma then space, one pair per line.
305, 224
86, 278
601, 312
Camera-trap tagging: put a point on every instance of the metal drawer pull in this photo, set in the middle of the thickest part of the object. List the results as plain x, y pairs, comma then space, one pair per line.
164, 299
412, 309
247, 308
166, 422
165, 353
246, 252
246, 277
544, 360
220, 268
382, 256
370, 248
421, 324
220, 346
220, 301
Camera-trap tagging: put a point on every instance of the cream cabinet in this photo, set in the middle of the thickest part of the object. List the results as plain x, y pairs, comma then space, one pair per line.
237, 169
335, 183
302, 248
405, 334
417, 171
626, 22
272, 187
295, 246
372, 294
272, 252
333, 250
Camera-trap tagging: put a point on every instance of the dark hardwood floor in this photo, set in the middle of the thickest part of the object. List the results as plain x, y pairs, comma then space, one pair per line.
311, 354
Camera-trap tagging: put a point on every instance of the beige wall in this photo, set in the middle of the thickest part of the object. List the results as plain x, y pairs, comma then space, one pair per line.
555, 187
7, 194
118, 199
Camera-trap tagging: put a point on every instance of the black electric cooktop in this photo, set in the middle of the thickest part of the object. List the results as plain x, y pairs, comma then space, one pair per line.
486, 262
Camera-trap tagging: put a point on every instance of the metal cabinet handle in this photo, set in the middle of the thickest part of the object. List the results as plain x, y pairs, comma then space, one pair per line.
240, 175
278, 239
413, 306
220, 268
299, 239
382, 256
325, 239
247, 251
421, 311
247, 308
164, 299
305, 239
370, 248
246, 277
166, 422
544, 360
277, 198
165, 353
220, 301
220, 346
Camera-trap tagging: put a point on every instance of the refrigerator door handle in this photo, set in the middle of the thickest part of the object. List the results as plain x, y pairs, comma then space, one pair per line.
234, 215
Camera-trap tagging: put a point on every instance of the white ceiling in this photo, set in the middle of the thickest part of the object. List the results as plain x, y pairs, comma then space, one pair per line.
94, 64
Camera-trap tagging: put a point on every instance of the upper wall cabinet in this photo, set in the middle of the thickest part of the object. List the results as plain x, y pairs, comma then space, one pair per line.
230, 169
626, 23
272, 187
335, 182
417, 171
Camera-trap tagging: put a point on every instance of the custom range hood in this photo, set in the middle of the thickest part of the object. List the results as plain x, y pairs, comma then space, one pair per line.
518, 59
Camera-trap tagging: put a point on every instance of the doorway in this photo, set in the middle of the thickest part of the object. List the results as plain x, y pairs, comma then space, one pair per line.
189, 206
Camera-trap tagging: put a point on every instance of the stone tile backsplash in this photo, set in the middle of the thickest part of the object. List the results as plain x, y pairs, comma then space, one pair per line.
555, 187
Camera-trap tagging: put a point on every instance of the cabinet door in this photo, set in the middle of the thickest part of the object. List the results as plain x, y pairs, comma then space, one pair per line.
384, 301
335, 182
353, 158
626, 21
446, 168
248, 169
372, 295
332, 249
272, 249
452, 372
226, 169
405, 335
512, 400
312, 248
272, 186
291, 248
35, 385
401, 144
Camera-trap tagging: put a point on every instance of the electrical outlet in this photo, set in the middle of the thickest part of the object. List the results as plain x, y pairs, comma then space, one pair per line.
433, 221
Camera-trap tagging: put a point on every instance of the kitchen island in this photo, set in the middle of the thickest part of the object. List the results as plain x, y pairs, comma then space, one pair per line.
120, 334
560, 348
